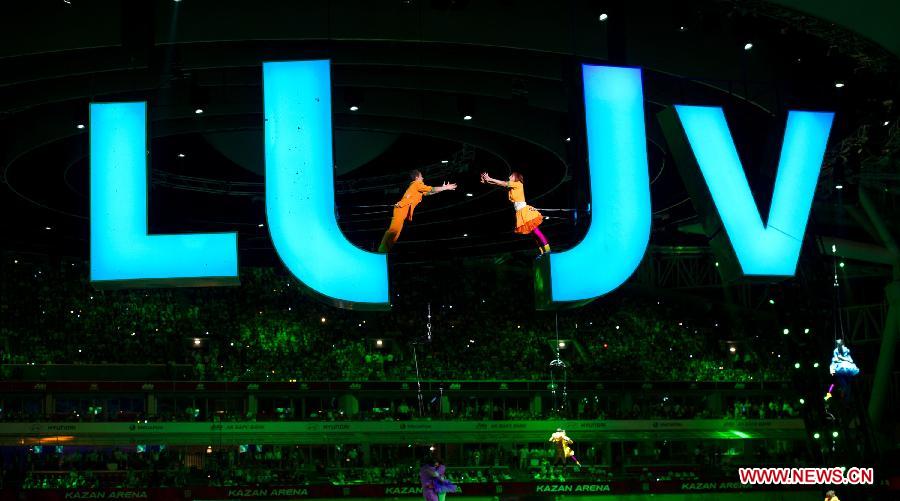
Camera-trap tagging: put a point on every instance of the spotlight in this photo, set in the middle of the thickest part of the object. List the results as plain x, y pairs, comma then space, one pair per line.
354, 108
467, 117
748, 46
81, 126
603, 17
198, 111
839, 85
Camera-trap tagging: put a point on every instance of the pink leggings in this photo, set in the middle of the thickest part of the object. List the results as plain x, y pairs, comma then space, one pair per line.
539, 237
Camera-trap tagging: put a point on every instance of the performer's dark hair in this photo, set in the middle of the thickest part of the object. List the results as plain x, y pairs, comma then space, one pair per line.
517, 176
413, 174
428, 460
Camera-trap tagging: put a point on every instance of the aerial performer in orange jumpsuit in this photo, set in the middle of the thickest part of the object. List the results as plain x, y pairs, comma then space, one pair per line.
403, 210
527, 217
563, 451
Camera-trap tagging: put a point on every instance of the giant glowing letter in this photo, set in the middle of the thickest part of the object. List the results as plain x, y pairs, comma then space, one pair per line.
300, 189
770, 248
616, 240
122, 253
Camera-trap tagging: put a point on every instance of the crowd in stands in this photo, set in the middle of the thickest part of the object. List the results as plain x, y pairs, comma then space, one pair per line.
268, 329
157, 466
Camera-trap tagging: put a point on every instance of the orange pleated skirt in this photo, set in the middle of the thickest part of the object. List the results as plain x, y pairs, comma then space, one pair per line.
527, 219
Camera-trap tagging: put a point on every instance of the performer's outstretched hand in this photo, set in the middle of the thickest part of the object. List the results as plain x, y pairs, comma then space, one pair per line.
448, 186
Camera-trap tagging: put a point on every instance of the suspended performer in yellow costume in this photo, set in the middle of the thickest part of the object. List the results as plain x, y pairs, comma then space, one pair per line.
563, 451
403, 210
527, 217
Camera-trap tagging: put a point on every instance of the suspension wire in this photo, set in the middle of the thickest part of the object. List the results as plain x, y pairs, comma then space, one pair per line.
418, 383
838, 331
416, 362
558, 363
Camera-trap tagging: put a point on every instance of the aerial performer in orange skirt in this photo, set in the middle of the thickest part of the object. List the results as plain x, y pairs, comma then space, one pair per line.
403, 210
527, 217
563, 451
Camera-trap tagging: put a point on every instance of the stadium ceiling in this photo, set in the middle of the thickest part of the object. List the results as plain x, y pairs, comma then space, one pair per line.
405, 72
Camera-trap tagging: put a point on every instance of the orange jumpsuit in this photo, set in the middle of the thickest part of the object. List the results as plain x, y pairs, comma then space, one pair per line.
403, 211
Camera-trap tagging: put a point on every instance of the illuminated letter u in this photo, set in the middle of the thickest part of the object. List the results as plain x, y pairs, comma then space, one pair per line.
300, 189
620, 193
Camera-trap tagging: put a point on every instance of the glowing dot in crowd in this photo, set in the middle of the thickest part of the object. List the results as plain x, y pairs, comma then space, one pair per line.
181, 155
617, 327
802, 401
79, 126
839, 85
886, 123
379, 343
796, 365
806, 330
771, 301
748, 46
816, 365
198, 111
354, 108
841, 264
445, 161
603, 17
816, 435
196, 341
468, 194
568, 139
47, 228
323, 320
134, 333
834, 434
786, 331
562, 344
467, 117
260, 225
732, 349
